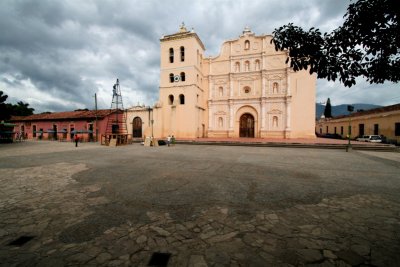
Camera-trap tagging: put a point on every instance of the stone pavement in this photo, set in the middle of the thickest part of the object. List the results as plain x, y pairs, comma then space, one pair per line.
203, 205
317, 140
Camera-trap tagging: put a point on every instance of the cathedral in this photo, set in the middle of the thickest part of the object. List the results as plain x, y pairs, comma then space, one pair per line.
248, 90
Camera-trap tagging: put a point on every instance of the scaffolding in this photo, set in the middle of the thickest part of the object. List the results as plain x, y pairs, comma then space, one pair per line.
116, 131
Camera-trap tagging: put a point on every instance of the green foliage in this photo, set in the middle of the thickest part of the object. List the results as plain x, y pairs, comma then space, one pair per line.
4, 114
7, 110
3, 97
328, 109
22, 109
367, 44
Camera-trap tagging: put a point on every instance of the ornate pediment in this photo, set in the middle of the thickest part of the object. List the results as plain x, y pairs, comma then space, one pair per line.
276, 76
245, 79
275, 111
220, 81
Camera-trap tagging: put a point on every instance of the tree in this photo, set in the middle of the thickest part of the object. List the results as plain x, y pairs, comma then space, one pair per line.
7, 110
22, 109
4, 114
328, 109
367, 44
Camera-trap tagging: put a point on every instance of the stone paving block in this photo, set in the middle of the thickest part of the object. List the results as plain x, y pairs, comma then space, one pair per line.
217, 257
325, 263
197, 261
160, 231
350, 257
223, 238
328, 254
362, 250
141, 239
103, 257
309, 255
80, 257
208, 234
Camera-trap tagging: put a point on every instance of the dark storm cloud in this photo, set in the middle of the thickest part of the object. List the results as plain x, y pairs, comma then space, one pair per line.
62, 52
47, 42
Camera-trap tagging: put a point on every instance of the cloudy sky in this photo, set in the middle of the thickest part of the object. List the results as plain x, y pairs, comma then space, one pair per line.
55, 55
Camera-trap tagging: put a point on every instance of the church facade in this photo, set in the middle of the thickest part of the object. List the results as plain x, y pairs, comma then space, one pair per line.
248, 90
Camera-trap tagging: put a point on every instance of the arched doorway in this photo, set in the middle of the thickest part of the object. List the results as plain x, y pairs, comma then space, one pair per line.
137, 127
246, 125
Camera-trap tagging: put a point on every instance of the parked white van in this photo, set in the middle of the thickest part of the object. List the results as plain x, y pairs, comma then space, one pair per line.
370, 138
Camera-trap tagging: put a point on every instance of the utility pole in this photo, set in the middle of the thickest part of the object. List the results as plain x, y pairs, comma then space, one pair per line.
152, 123
95, 108
350, 108
151, 119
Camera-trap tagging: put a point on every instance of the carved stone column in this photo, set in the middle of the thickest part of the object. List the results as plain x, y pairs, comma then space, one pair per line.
210, 87
210, 115
231, 116
230, 86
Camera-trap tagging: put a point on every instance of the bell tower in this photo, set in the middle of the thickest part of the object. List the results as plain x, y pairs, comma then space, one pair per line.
181, 84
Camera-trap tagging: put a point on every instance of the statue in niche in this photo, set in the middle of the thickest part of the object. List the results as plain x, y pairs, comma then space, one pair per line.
220, 122
275, 121
237, 67
275, 88
247, 66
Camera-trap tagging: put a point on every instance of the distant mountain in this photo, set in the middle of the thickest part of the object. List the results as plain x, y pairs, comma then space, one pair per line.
342, 109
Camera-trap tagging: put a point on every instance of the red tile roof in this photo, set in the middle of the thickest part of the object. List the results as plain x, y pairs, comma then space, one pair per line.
371, 111
66, 115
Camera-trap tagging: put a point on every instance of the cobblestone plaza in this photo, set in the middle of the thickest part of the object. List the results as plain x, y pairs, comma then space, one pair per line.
199, 205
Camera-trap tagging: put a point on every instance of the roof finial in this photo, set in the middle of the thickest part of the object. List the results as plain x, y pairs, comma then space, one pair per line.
182, 28
246, 30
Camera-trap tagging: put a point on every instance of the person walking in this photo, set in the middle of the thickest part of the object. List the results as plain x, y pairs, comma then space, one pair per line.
173, 140
168, 140
76, 138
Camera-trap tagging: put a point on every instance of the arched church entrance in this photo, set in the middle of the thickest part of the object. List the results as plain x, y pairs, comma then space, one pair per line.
137, 127
246, 125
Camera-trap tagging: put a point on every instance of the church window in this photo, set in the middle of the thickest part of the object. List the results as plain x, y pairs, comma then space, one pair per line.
246, 90
171, 77
257, 64
274, 121
275, 88
171, 55
237, 66
221, 91
246, 66
220, 122
247, 45
182, 53
181, 99
170, 99
182, 76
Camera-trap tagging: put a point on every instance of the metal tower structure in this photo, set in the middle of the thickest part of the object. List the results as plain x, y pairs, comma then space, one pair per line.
116, 130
